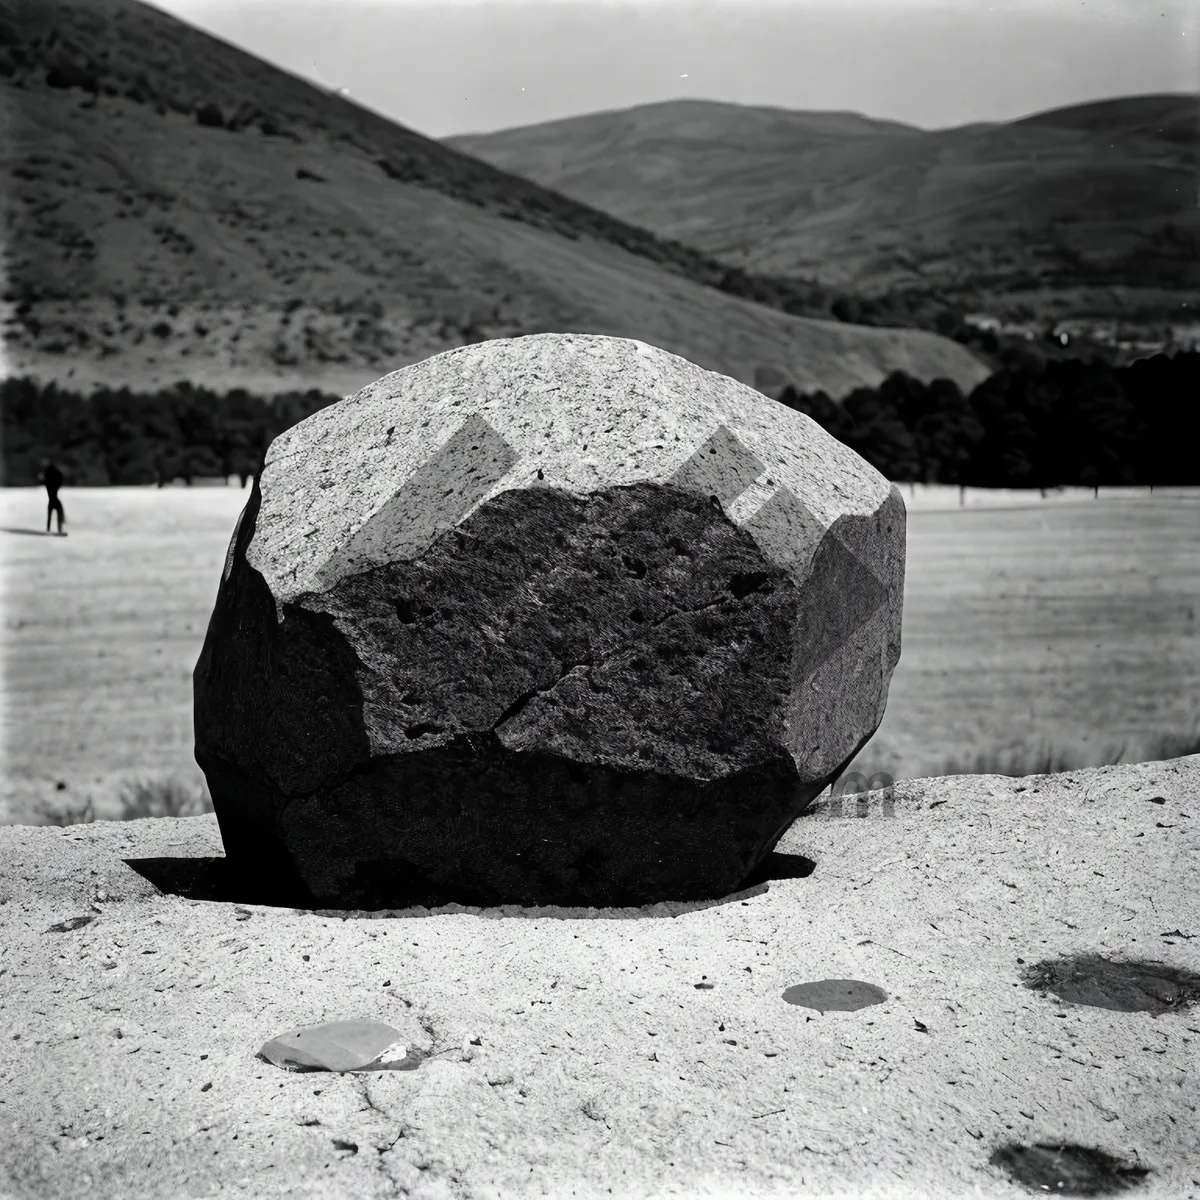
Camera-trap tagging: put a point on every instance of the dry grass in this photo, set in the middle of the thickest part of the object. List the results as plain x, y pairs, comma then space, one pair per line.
1058, 633
1046, 760
140, 798
1046, 637
163, 798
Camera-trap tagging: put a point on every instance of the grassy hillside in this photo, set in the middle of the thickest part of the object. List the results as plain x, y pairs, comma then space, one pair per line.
1086, 208
179, 208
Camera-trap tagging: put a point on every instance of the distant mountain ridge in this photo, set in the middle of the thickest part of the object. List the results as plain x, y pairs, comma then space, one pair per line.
1169, 116
690, 117
1069, 203
181, 209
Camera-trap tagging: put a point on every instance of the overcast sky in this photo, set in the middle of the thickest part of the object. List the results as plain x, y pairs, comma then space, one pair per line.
463, 66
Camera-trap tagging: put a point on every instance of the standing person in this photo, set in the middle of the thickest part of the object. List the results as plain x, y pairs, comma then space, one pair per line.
53, 479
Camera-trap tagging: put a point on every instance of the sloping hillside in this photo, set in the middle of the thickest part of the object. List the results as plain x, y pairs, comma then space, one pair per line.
179, 208
1074, 201
644, 163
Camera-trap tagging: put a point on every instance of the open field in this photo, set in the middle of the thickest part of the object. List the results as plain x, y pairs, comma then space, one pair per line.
1069, 623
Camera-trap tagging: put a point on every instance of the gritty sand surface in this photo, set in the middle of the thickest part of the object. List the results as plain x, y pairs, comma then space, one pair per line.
567, 1053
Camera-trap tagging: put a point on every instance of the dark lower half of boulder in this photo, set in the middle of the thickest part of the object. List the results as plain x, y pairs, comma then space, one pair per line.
485, 825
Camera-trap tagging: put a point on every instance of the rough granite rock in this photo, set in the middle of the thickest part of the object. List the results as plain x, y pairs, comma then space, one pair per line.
558, 619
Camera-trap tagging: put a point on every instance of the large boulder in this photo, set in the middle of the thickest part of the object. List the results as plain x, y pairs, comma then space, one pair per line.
558, 619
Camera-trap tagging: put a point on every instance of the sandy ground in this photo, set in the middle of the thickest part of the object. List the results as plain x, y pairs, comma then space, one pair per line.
624, 1052
1079, 613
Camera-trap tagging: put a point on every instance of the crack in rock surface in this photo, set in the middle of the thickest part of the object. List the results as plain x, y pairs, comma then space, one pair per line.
614, 696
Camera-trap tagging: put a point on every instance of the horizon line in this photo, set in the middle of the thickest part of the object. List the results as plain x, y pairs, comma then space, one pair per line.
825, 112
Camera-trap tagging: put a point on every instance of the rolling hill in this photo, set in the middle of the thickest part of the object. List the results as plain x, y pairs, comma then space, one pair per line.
1092, 205
180, 209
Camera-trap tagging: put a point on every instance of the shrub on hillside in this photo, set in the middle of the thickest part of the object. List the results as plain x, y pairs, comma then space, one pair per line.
210, 114
67, 74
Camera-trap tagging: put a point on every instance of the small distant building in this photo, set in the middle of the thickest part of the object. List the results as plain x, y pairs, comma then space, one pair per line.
982, 322
1185, 337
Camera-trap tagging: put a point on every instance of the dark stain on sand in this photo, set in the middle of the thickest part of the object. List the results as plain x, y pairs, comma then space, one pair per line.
1066, 1170
1136, 985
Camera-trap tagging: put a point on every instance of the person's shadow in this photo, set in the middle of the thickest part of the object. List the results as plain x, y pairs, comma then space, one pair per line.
31, 532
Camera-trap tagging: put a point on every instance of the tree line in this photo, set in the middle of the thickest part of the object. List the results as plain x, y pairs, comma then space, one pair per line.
1030, 424
1062, 422
116, 436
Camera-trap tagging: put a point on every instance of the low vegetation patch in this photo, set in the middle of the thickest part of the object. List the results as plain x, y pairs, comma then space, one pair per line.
145, 797
1046, 760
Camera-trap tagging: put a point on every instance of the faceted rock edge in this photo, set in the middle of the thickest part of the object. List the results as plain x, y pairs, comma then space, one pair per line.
531, 695
414, 453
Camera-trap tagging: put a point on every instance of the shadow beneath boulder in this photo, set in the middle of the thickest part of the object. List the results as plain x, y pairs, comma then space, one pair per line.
212, 879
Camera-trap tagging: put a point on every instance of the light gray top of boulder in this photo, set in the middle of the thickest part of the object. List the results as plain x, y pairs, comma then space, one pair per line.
588, 412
